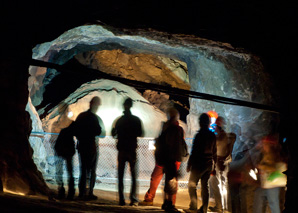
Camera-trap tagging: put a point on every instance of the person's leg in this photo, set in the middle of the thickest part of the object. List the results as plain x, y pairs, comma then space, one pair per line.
227, 198
234, 189
83, 175
71, 189
177, 164
273, 199
243, 197
133, 193
59, 161
258, 202
93, 166
214, 182
192, 188
170, 186
121, 168
205, 190
156, 177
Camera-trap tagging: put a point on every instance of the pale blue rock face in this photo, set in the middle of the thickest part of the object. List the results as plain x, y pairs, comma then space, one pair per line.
213, 67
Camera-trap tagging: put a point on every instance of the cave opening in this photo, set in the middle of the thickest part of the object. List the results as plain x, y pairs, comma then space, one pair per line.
211, 68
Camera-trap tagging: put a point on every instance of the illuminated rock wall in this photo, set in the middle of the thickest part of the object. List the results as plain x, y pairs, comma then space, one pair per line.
213, 68
112, 95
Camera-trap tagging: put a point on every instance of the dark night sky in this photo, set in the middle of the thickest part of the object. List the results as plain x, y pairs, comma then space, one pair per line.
265, 28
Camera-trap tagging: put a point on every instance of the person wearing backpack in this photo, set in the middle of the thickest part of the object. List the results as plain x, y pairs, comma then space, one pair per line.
65, 150
170, 149
158, 170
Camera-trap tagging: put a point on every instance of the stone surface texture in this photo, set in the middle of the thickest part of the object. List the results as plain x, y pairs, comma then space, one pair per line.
151, 56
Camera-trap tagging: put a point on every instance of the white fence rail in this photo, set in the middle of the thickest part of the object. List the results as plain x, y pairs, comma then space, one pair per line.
45, 159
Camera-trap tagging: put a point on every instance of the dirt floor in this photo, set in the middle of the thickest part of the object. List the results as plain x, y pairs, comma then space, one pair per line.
107, 202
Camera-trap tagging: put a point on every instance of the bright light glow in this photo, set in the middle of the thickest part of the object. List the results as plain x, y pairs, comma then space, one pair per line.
70, 114
151, 145
108, 116
253, 174
12, 192
213, 116
284, 140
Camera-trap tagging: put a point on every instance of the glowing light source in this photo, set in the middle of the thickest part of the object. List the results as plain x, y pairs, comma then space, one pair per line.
12, 192
253, 174
213, 116
70, 114
151, 145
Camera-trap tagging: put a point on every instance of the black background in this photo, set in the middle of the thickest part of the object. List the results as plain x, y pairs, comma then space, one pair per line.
265, 28
268, 29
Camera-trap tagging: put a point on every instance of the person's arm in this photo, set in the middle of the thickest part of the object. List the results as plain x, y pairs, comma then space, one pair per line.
214, 151
231, 139
96, 126
103, 129
140, 132
115, 127
190, 160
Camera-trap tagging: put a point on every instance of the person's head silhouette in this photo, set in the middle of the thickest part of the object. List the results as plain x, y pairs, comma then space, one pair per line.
94, 104
204, 120
172, 114
127, 104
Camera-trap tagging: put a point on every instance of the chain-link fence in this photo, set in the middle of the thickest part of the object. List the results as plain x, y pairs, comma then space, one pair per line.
45, 159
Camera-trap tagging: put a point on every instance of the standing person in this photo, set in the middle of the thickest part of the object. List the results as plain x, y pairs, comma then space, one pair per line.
170, 148
218, 180
201, 163
270, 166
64, 150
88, 125
127, 129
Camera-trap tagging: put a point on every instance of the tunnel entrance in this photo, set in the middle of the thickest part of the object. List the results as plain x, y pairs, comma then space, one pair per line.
183, 62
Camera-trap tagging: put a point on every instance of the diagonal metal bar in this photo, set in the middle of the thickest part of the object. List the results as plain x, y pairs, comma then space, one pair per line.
161, 88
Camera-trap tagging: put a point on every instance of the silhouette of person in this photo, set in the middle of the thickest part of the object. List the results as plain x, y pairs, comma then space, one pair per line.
127, 128
156, 177
169, 150
63, 122
224, 142
201, 163
88, 125
270, 165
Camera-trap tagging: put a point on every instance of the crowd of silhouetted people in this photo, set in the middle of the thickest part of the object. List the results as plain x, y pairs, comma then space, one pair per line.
222, 172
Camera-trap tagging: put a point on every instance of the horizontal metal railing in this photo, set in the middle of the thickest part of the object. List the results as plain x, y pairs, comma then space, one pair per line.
45, 159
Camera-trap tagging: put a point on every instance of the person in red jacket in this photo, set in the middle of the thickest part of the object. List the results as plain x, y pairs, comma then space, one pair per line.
158, 171
170, 147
